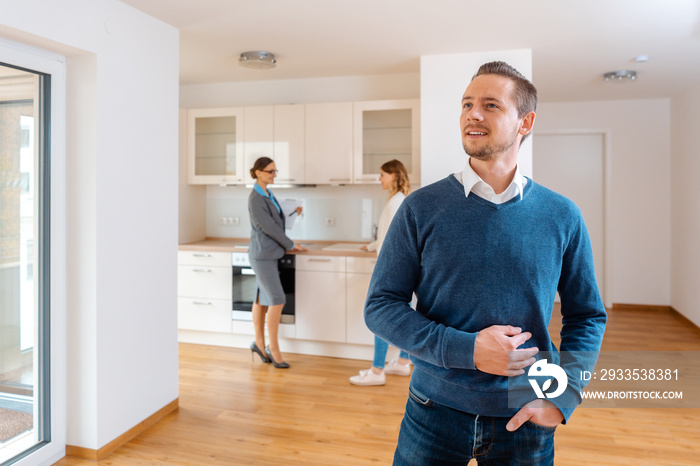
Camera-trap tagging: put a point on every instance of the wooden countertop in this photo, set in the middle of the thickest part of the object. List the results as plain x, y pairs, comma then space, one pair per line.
315, 248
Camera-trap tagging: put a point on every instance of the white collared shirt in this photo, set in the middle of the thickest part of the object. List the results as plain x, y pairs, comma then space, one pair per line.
473, 183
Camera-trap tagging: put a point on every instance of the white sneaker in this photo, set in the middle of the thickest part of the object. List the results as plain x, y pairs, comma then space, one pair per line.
395, 368
368, 378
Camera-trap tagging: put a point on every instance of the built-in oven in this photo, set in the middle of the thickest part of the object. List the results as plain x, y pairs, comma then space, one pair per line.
244, 286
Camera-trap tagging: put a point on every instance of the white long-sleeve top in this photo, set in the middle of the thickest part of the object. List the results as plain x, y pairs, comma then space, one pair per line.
392, 205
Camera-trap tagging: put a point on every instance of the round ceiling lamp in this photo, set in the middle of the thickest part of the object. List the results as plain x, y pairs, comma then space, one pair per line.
258, 60
622, 75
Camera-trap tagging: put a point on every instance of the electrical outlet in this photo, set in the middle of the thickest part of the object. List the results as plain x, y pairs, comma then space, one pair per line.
330, 221
229, 221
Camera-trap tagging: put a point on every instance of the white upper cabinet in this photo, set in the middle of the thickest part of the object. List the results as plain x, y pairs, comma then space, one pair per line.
214, 146
290, 144
386, 130
324, 143
276, 132
329, 142
258, 130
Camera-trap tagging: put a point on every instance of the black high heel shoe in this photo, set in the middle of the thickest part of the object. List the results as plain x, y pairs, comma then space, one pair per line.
254, 349
278, 365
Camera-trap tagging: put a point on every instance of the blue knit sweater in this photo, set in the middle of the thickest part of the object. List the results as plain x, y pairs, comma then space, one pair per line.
473, 264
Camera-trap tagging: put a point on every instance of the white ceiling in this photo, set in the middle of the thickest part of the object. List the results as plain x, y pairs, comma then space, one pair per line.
573, 43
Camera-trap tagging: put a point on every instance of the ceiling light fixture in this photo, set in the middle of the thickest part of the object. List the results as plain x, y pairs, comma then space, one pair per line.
259, 60
620, 75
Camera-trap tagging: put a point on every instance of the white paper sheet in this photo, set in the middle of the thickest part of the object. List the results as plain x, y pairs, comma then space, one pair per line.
288, 207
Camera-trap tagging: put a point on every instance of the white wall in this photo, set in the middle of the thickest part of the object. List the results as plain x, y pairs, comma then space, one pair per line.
640, 180
122, 126
444, 78
685, 207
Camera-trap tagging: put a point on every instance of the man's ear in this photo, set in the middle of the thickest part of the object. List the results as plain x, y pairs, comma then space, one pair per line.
527, 123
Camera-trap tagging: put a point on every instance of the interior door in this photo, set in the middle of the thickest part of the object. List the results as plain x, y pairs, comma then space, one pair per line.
572, 164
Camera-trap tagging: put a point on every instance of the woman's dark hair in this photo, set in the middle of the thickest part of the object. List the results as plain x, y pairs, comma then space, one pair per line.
260, 164
400, 183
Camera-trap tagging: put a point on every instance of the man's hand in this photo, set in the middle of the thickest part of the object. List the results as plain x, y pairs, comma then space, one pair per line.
540, 412
495, 350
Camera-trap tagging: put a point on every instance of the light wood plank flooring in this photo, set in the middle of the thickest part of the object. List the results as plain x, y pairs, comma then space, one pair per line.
234, 412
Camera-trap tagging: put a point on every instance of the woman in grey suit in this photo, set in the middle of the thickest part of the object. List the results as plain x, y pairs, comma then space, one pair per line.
268, 243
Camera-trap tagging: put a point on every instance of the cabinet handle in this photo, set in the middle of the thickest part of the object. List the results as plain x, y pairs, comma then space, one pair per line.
201, 255
319, 260
339, 179
201, 303
202, 270
285, 179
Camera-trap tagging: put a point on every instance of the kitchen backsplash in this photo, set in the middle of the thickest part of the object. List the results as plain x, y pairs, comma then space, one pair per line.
334, 213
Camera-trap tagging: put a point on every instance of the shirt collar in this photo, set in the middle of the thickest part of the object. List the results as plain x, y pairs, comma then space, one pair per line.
261, 191
270, 196
470, 179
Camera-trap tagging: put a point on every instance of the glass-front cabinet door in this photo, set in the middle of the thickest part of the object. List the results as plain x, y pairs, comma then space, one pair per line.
386, 130
215, 146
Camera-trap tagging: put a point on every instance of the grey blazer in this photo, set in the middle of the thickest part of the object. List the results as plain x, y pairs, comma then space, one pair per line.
267, 238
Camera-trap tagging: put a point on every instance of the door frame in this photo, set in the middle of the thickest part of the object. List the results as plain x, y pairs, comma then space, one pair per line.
607, 292
52, 446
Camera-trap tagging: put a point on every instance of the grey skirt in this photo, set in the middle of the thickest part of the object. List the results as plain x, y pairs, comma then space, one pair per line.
267, 276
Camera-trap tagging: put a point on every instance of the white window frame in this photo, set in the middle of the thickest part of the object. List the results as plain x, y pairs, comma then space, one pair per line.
42, 61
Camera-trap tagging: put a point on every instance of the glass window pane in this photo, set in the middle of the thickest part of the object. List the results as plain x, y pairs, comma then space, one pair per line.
386, 135
215, 146
21, 159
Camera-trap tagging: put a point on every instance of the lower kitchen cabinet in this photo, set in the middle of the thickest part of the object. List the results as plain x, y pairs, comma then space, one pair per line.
330, 297
320, 298
359, 273
204, 288
210, 315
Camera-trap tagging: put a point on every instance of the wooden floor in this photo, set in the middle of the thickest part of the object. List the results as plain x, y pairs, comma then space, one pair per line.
234, 412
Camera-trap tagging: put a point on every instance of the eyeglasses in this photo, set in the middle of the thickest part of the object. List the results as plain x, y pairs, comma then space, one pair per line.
271, 172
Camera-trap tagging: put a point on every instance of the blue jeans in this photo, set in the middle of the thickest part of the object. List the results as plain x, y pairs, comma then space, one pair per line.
380, 349
432, 434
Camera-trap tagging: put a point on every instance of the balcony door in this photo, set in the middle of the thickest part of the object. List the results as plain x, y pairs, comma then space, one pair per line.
24, 312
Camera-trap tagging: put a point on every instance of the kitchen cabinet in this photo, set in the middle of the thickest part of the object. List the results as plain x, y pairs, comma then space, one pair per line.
204, 283
258, 137
323, 143
359, 272
329, 143
320, 298
276, 132
290, 148
385, 130
215, 146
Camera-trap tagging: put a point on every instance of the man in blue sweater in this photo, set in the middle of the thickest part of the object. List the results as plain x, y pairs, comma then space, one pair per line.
485, 252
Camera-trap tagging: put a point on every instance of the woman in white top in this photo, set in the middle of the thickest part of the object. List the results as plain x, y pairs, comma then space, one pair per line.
394, 179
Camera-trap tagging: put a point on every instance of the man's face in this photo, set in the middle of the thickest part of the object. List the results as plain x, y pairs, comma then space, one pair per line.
489, 121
